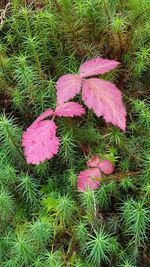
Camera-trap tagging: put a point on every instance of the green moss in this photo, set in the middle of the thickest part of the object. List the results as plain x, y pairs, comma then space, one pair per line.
44, 220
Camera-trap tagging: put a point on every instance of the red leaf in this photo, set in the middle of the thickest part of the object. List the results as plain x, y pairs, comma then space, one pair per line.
86, 181
97, 66
69, 109
94, 161
67, 87
106, 166
106, 100
40, 142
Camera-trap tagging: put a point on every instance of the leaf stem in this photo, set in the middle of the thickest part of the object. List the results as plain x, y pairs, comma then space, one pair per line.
118, 176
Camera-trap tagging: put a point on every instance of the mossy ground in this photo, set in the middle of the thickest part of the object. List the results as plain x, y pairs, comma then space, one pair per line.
44, 220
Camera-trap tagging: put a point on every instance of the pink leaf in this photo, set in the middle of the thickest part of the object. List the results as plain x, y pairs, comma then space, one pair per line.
69, 109
97, 66
67, 87
106, 166
45, 114
106, 100
86, 181
40, 142
94, 161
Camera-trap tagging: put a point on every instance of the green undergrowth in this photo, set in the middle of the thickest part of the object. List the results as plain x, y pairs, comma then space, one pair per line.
44, 220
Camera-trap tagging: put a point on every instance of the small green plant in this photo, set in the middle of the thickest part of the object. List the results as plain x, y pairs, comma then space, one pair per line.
98, 247
136, 219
